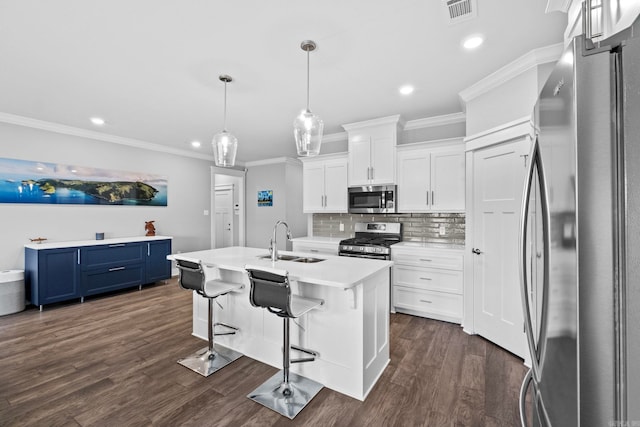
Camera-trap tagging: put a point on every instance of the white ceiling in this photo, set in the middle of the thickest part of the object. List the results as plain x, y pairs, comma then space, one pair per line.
151, 67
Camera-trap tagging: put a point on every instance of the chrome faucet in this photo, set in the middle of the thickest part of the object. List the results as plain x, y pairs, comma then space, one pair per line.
273, 245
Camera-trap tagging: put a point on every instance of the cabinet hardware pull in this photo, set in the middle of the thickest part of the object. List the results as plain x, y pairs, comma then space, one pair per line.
148, 249
116, 268
427, 197
433, 198
325, 200
78, 256
425, 278
426, 300
321, 200
117, 245
373, 173
424, 259
313, 250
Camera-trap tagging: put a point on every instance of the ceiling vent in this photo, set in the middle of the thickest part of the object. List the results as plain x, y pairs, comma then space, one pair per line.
460, 10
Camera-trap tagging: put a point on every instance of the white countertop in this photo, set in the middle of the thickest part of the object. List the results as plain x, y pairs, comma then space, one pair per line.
113, 241
342, 272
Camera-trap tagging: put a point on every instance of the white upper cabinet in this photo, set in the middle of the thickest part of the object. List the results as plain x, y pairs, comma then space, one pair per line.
324, 184
372, 151
431, 177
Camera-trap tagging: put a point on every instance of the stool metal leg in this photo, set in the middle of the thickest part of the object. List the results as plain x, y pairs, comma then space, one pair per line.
213, 357
286, 393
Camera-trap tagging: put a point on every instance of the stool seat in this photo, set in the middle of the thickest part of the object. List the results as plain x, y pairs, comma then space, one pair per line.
215, 288
213, 357
301, 306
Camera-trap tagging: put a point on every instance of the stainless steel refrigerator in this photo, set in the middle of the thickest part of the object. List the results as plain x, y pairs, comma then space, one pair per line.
580, 240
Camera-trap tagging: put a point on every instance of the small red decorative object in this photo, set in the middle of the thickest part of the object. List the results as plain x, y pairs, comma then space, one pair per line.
151, 229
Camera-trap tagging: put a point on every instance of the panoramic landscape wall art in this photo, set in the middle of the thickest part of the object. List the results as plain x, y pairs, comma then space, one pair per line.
24, 181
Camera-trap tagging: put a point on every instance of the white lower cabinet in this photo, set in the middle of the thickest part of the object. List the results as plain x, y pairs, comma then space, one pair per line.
428, 282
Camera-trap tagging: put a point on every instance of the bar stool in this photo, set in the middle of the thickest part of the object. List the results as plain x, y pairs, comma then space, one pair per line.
286, 393
213, 357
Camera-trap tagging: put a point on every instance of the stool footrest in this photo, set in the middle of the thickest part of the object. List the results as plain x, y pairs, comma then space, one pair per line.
224, 325
305, 350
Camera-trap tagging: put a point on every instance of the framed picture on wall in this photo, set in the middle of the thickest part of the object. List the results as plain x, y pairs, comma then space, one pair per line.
265, 198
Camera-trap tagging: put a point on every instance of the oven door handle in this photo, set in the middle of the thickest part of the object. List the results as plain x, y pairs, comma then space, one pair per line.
380, 257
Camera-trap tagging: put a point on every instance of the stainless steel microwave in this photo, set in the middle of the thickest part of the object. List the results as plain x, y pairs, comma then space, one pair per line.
372, 199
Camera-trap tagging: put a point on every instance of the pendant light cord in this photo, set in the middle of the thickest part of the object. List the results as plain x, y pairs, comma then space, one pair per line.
224, 127
307, 79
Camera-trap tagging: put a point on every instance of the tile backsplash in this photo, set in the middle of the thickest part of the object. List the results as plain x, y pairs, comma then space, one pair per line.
417, 227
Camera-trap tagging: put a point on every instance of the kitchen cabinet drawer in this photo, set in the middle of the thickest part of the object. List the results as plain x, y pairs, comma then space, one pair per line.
117, 254
428, 278
431, 259
437, 305
109, 279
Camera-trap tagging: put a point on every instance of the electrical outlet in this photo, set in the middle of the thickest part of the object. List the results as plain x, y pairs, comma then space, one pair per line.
206, 213
441, 230
341, 226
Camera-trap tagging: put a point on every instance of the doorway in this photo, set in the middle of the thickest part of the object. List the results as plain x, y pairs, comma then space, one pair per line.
227, 207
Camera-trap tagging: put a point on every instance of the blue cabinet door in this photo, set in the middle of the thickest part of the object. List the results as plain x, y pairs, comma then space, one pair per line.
53, 275
158, 267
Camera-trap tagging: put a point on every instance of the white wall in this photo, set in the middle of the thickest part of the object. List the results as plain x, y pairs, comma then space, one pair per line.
188, 195
285, 179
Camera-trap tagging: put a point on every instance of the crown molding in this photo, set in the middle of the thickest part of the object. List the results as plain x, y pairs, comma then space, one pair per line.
275, 161
98, 136
446, 119
335, 137
396, 120
527, 61
557, 6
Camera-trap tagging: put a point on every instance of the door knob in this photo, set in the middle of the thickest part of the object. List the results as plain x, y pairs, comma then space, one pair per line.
476, 251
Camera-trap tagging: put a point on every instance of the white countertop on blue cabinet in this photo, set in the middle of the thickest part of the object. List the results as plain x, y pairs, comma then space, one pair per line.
340, 272
79, 243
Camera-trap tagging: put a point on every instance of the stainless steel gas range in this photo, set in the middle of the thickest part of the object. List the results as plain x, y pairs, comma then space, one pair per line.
372, 240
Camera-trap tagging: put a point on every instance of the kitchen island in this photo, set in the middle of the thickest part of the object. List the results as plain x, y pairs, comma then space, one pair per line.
350, 331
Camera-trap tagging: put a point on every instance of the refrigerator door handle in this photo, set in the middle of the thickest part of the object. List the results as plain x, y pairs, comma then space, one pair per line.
535, 164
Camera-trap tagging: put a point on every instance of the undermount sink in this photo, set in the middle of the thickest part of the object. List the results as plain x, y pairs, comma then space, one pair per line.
293, 258
280, 257
308, 260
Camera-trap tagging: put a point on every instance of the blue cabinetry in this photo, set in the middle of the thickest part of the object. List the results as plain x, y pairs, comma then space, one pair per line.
52, 275
60, 274
157, 265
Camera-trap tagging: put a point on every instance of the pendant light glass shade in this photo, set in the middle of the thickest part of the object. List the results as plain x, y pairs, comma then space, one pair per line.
225, 145
307, 127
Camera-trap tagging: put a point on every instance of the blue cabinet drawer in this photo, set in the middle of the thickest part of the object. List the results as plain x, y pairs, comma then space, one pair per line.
104, 280
118, 254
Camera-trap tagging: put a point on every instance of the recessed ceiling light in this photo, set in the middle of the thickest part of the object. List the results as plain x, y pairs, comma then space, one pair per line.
472, 42
195, 144
406, 89
97, 121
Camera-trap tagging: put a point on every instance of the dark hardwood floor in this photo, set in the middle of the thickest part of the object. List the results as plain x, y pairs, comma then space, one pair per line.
111, 361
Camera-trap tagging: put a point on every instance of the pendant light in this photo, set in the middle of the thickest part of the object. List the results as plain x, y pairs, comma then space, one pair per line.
307, 127
225, 144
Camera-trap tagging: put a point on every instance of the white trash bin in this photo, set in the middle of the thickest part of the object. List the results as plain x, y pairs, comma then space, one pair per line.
12, 298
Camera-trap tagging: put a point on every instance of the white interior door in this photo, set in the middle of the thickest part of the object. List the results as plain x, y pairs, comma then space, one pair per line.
224, 216
498, 182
